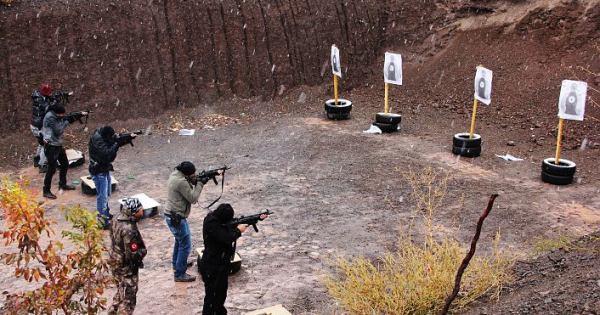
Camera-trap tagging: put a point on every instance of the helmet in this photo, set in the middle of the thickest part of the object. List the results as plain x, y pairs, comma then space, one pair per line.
46, 90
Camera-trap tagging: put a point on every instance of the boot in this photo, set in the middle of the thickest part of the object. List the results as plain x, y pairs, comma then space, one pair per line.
43, 168
185, 278
66, 187
49, 195
36, 161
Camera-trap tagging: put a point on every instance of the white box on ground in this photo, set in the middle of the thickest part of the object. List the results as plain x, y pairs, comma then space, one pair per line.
272, 310
150, 205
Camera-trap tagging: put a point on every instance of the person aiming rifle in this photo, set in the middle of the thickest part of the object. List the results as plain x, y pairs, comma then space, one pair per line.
103, 147
219, 235
53, 128
183, 189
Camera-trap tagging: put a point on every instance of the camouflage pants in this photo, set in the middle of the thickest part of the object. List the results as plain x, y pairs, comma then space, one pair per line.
125, 298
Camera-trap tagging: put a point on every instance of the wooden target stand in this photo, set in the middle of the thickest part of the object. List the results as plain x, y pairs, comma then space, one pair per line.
236, 262
337, 108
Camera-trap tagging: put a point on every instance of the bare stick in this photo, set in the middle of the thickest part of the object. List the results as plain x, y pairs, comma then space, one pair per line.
469, 255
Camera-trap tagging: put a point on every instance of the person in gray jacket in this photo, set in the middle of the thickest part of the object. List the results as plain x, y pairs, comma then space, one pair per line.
52, 131
183, 189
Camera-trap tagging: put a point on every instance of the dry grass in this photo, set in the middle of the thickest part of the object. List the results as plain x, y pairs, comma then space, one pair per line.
417, 278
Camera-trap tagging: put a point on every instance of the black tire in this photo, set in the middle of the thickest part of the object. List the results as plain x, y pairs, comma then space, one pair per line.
386, 127
342, 106
462, 140
340, 116
563, 168
466, 152
556, 180
388, 118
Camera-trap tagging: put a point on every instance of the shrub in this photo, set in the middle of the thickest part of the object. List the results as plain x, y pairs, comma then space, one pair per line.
416, 279
72, 282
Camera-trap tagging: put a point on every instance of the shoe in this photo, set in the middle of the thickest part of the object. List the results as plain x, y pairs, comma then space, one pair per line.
49, 195
43, 168
190, 263
185, 278
66, 187
36, 161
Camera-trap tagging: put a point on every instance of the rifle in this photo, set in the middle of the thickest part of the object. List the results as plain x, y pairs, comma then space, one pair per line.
125, 137
62, 97
73, 116
250, 220
212, 173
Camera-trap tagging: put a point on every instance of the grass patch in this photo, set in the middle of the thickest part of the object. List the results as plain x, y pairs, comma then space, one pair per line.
419, 276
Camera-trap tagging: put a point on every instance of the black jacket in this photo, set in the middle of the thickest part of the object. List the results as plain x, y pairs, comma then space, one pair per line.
219, 241
40, 106
103, 152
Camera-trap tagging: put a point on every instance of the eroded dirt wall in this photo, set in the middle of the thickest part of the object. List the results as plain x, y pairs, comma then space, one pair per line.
137, 58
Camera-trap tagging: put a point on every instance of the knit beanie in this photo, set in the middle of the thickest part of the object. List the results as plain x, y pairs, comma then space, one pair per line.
57, 108
187, 168
224, 212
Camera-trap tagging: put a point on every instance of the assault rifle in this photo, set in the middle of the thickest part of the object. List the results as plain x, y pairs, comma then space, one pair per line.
212, 173
126, 137
73, 116
62, 97
250, 220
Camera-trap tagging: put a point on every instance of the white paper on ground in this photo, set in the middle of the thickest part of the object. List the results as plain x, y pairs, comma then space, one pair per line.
510, 158
374, 129
187, 132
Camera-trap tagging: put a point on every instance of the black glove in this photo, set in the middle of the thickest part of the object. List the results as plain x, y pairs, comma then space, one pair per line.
193, 180
204, 179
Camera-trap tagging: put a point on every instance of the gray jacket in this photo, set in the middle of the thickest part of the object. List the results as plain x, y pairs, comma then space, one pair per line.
53, 128
181, 194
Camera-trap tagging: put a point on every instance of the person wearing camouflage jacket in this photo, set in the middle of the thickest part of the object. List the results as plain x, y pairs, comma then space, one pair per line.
126, 256
42, 99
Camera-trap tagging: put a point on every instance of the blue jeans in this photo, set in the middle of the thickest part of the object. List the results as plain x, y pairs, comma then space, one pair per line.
183, 245
103, 191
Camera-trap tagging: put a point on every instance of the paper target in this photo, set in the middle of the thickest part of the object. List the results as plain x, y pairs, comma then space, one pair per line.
392, 68
335, 61
571, 102
483, 85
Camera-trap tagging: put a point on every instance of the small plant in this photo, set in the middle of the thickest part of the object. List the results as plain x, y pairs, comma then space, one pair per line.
72, 282
417, 279
7, 2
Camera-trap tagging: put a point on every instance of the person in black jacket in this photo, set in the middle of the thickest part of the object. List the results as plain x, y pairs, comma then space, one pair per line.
103, 147
219, 248
42, 99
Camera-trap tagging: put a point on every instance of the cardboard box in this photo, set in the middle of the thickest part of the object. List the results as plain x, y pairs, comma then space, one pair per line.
271, 310
88, 187
236, 262
75, 157
150, 205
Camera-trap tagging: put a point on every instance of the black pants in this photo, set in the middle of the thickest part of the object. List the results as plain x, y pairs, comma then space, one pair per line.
55, 155
215, 287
